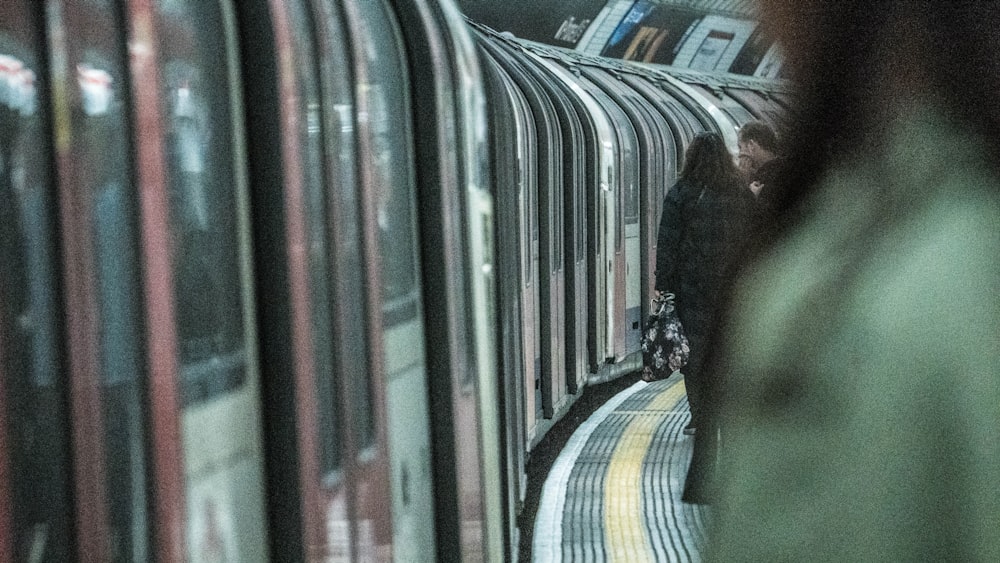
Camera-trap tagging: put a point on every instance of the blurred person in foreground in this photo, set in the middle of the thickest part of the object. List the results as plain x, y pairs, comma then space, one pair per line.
862, 404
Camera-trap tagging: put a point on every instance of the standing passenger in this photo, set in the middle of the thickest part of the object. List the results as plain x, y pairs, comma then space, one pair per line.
758, 145
761, 164
704, 218
864, 348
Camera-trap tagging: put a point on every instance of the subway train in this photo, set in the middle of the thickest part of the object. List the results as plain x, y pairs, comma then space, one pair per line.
308, 280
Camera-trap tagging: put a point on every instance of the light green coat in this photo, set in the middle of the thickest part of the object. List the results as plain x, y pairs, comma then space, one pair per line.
866, 418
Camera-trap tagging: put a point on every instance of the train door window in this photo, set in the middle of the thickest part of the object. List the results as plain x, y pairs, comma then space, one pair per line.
206, 182
387, 155
317, 206
631, 171
35, 510
388, 178
617, 173
203, 197
387, 138
105, 239
527, 186
560, 105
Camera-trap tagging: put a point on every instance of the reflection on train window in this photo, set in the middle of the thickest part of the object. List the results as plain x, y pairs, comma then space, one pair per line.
393, 182
632, 198
201, 131
203, 186
32, 388
384, 134
557, 258
383, 102
525, 187
101, 126
317, 206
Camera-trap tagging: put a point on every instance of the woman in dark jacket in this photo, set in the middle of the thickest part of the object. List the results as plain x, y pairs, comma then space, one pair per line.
704, 221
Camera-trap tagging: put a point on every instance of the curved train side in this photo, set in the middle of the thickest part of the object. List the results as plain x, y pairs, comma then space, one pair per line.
309, 279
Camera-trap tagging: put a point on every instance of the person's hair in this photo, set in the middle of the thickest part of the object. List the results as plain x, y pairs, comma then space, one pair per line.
845, 77
761, 133
708, 163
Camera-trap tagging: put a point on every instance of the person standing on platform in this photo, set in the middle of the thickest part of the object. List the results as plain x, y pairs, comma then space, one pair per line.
862, 349
758, 146
705, 216
762, 165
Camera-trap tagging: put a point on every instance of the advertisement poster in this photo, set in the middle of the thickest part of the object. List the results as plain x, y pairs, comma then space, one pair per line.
714, 43
651, 33
711, 50
752, 55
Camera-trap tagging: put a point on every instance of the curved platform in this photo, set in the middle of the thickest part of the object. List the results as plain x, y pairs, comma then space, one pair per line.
614, 492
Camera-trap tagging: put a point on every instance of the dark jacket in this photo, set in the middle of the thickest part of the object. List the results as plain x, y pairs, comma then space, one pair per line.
701, 232
773, 174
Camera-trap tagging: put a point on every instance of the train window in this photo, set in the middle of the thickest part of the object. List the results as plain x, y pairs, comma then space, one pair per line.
385, 137
317, 207
34, 491
107, 198
384, 134
203, 190
527, 187
631, 185
616, 171
206, 183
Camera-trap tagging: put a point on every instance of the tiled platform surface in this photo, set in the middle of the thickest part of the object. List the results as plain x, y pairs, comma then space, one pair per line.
614, 492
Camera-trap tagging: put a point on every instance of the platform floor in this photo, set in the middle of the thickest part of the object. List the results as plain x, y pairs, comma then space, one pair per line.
614, 492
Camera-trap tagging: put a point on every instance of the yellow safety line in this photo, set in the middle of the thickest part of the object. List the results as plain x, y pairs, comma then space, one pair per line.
624, 533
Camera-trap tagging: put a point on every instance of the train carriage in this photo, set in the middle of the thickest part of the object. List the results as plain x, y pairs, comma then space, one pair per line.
512, 138
311, 279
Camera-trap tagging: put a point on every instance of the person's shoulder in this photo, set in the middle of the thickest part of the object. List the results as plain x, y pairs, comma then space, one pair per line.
773, 170
682, 190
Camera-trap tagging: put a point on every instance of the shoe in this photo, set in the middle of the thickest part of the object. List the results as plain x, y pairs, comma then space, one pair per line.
689, 430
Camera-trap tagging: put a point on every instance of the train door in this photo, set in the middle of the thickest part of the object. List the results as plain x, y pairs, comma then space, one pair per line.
529, 203
549, 215
651, 157
510, 144
603, 179
575, 205
388, 182
570, 168
456, 227
623, 226
525, 187
652, 196
574, 334
191, 162
100, 208
551, 264
36, 474
331, 168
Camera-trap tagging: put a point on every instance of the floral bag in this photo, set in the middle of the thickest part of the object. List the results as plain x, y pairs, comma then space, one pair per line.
664, 346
